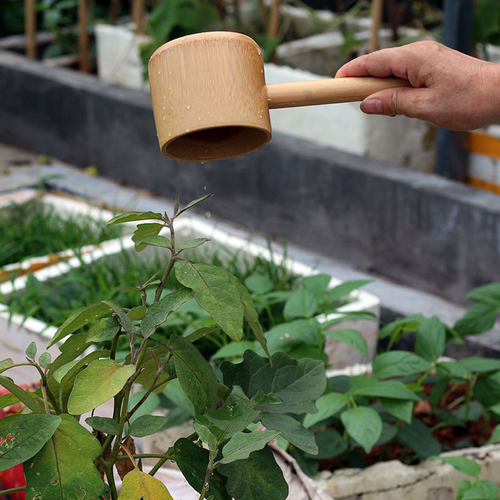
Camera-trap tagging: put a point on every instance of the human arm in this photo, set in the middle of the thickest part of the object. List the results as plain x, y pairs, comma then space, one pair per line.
448, 88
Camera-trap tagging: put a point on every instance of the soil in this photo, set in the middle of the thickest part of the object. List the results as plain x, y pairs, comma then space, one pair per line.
451, 438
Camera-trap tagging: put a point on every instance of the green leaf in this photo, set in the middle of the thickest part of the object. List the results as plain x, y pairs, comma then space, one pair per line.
259, 283
393, 389
478, 319
158, 313
147, 425
134, 216
462, 464
300, 304
340, 291
193, 203
5, 364
174, 392
398, 363
481, 490
328, 405
364, 425
51, 473
495, 435
138, 484
419, 438
317, 285
94, 385
195, 374
22, 436
151, 403
143, 231
8, 400
137, 313
24, 396
400, 326
297, 383
154, 240
67, 371
487, 389
350, 337
192, 461
215, 291
78, 319
401, 409
487, 294
330, 444
256, 478
430, 341
124, 320
206, 435
196, 242
44, 360
31, 351
292, 430
286, 336
234, 349
479, 365
242, 444
104, 424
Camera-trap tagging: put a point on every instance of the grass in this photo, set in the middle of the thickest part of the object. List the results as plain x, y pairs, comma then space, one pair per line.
33, 229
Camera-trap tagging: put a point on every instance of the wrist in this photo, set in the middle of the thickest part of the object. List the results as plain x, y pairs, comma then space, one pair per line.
492, 98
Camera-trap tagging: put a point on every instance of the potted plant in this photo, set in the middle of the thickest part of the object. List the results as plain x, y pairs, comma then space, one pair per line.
68, 450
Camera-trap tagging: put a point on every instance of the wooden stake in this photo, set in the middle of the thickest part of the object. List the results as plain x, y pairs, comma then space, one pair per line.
376, 15
272, 27
138, 15
30, 27
83, 39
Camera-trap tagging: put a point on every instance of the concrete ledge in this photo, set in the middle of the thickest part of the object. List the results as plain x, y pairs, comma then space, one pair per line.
415, 229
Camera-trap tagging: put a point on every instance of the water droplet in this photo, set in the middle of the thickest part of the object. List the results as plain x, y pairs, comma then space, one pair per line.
204, 187
159, 72
208, 215
188, 130
199, 118
163, 118
170, 134
188, 107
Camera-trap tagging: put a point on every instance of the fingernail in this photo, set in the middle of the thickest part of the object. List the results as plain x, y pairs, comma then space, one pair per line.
372, 106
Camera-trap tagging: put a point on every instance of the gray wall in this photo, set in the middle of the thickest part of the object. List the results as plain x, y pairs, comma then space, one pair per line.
416, 229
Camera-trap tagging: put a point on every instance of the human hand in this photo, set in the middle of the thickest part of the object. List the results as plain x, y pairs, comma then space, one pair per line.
448, 88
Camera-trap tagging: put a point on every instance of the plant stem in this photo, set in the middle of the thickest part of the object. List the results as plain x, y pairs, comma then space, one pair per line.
211, 457
12, 490
173, 256
108, 469
163, 458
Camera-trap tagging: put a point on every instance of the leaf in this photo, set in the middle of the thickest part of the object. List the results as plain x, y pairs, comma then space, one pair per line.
301, 304
398, 363
134, 216
481, 490
297, 383
419, 438
124, 320
80, 318
317, 285
400, 326
364, 425
138, 484
286, 336
256, 478
242, 444
487, 294
137, 313
44, 360
340, 291
479, 365
403, 410
174, 392
430, 341
367, 386
22, 436
487, 389
146, 425
478, 319
104, 424
151, 403
154, 240
5, 364
158, 313
64, 467
234, 349
259, 283
192, 461
31, 351
330, 444
195, 374
328, 405
67, 371
143, 231
495, 435
215, 291
193, 203
7, 400
196, 242
94, 385
462, 464
350, 337
292, 430
24, 396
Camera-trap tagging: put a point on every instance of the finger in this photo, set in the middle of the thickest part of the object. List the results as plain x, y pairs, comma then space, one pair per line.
411, 102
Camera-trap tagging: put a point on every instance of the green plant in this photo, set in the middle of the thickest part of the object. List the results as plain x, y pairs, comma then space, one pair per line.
275, 391
34, 229
487, 23
414, 400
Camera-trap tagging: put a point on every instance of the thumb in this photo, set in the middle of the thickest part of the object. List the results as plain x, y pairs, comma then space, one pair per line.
397, 101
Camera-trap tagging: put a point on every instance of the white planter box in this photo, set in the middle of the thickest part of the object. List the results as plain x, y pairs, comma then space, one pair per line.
118, 58
399, 139
190, 227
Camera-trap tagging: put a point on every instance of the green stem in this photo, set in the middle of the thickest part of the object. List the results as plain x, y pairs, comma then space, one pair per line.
168, 455
211, 457
114, 345
12, 490
173, 256
108, 469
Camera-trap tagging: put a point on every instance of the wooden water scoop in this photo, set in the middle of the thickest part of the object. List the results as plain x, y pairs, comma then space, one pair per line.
211, 101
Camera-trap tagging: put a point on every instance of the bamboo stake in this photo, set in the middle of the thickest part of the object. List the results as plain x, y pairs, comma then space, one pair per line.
272, 27
138, 8
376, 15
83, 37
30, 27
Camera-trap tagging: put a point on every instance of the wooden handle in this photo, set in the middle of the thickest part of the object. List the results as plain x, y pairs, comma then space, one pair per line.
327, 91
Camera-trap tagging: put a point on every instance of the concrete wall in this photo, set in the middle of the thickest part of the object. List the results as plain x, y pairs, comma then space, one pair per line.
413, 228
